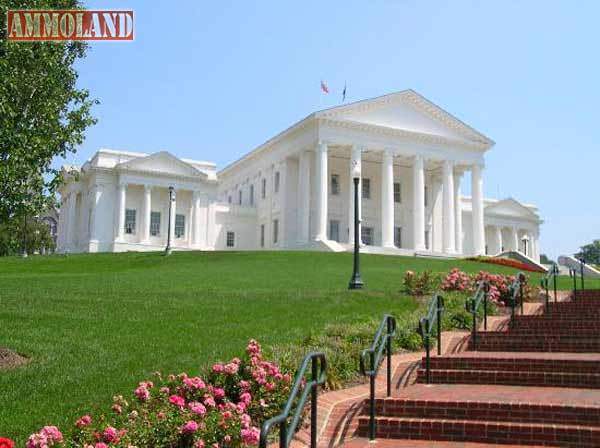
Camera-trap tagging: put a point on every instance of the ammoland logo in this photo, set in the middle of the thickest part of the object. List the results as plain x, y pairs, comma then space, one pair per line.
61, 24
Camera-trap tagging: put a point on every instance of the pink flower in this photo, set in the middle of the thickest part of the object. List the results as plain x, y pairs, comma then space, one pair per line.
219, 393
165, 390
190, 427
83, 421
218, 368
199, 444
194, 383
142, 393
101, 445
197, 408
232, 368
177, 401
46, 437
110, 434
246, 398
245, 421
117, 408
250, 435
209, 401
244, 385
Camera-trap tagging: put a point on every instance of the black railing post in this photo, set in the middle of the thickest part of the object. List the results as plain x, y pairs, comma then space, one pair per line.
313, 404
513, 303
282, 435
554, 282
573, 273
545, 286
521, 295
581, 263
372, 401
473, 321
485, 304
440, 307
390, 330
427, 354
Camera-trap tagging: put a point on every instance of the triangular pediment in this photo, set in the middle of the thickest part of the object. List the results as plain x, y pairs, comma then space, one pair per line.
162, 163
409, 111
510, 207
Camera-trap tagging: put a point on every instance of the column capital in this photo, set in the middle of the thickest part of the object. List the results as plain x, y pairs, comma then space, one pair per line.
148, 187
388, 153
322, 146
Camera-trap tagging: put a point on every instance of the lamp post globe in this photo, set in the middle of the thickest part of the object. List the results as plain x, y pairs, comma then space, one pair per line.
356, 281
168, 249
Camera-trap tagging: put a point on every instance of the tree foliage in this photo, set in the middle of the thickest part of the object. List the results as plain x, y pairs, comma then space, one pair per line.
28, 235
590, 252
43, 114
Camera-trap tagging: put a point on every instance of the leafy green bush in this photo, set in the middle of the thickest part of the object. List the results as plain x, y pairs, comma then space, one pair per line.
420, 284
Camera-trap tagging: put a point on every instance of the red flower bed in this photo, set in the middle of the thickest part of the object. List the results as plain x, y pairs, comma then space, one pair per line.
507, 262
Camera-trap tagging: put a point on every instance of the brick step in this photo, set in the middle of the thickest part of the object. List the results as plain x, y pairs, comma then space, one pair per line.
512, 378
575, 303
473, 409
563, 315
412, 443
503, 341
546, 323
483, 431
530, 362
574, 313
556, 332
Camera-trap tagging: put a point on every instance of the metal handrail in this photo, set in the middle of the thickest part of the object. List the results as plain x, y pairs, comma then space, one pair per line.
516, 289
472, 305
545, 281
434, 315
381, 342
286, 431
581, 265
573, 275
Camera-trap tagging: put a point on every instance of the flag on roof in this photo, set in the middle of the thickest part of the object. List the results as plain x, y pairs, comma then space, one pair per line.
324, 87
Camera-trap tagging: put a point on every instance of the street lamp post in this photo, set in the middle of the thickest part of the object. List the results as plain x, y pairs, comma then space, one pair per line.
171, 199
355, 281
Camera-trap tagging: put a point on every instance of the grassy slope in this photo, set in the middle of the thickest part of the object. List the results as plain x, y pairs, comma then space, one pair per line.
96, 324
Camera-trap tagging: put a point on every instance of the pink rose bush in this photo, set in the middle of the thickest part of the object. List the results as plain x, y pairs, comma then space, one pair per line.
499, 284
225, 408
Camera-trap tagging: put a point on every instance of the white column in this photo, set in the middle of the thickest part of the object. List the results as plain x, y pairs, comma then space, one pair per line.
418, 204
458, 214
387, 199
514, 233
498, 239
322, 194
146, 209
173, 206
448, 214
71, 227
95, 199
304, 197
354, 168
477, 206
121, 196
191, 221
195, 223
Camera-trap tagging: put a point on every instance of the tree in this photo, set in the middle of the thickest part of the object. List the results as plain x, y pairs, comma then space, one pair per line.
31, 235
545, 260
43, 115
590, 252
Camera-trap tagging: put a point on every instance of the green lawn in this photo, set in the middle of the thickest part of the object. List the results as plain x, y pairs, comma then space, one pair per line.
94, 325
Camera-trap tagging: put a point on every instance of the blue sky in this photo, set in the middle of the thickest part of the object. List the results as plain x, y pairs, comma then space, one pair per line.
234, 73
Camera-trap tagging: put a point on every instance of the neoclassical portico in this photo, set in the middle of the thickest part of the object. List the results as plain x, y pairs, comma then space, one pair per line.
448, 173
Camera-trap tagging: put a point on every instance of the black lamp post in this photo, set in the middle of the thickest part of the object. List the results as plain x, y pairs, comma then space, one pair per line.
355, 281
171, 199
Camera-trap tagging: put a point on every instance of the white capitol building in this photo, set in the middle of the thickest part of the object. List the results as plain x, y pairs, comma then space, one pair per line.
295, 191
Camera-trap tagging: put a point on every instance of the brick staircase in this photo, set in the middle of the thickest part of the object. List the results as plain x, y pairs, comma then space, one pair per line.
536, 383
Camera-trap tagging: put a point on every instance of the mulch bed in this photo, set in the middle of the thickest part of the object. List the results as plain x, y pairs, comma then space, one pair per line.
10, 359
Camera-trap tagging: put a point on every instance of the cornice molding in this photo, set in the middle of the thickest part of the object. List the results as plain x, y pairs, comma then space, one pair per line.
418, 137
418, 102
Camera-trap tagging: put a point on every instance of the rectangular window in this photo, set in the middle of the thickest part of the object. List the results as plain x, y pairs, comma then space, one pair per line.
366, 188
155, 223
229, 199
179, 226
425, 195
230, 239
397, 193
262, 235
335, 184
130, 221
263, 188
427, 239
367, 235
398, 236
252, 194
334, 230
275, 231
277, 176
240, 195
